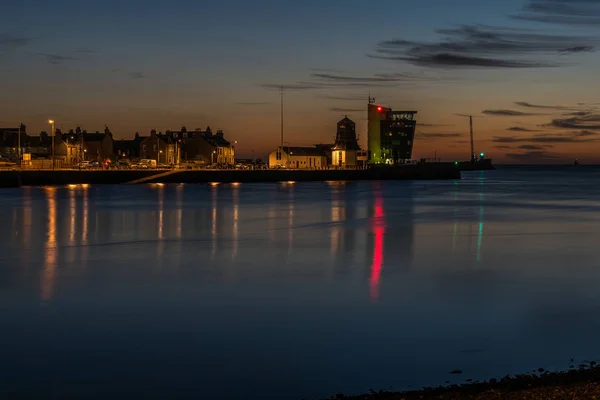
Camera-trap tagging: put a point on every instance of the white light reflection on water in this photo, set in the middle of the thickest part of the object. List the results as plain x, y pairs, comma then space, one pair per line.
51, 247
402, 305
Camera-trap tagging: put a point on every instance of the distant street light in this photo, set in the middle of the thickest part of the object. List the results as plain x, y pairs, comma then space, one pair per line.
51, 122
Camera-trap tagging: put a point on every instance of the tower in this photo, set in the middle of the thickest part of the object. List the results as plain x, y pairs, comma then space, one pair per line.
391, 134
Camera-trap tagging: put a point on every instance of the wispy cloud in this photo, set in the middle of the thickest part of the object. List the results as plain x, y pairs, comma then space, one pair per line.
56, 59
531, 147
520, 129
583, 122
440, 135
573, 137
421, 124
11, 41
530, 105
536, 155
252, 103
329, 80
508, 113
564, 12
349, 110
84, 50
357, 97
136, 75
485, 46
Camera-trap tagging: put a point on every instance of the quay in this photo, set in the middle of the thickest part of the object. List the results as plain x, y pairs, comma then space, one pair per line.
17, 178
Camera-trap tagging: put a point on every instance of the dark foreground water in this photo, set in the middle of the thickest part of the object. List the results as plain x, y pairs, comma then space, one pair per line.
291, 291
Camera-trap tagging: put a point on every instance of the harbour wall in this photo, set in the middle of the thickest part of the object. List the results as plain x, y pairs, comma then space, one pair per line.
16, 178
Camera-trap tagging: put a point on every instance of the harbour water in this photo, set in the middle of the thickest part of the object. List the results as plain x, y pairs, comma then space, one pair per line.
296, 290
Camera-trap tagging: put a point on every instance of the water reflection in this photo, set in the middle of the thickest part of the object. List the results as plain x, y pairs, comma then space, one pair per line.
336, 217
50, 253
378, 237
214, 193
291, 205
236, 215
27, 221
179, 211
480, 216
72, 214
161, 211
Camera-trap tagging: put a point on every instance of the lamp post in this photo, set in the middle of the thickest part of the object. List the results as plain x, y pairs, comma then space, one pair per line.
213, 158
159, 153
51, 122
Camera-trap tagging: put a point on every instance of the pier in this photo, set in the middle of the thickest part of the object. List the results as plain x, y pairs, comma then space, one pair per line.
17, 178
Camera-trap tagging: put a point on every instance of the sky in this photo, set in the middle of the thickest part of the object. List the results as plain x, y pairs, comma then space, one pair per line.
526, 70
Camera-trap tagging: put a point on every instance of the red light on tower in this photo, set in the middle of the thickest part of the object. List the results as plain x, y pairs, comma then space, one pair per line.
379, 108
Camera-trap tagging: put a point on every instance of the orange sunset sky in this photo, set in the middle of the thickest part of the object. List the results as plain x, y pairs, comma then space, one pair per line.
525, 70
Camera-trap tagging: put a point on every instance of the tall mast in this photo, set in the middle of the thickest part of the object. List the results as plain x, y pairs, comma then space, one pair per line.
472, 145
281, 92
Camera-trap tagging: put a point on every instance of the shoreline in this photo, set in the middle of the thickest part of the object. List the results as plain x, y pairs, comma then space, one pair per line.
580, 383
18, 178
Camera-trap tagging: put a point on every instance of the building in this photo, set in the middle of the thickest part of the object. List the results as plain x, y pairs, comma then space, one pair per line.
97, 146
71, 147
162, 148
207, 148
299, 158
345, 151
391, 135
128, 149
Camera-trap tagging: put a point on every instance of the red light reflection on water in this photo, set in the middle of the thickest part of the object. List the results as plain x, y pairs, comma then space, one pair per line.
378, 230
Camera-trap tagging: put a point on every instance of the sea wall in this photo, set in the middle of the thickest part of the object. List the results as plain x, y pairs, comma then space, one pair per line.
65, 177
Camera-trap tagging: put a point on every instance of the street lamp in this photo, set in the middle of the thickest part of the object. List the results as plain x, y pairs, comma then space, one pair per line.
51, 122
159, 153
214, 157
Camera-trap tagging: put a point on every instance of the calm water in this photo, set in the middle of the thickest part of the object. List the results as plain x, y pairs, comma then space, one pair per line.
295, 291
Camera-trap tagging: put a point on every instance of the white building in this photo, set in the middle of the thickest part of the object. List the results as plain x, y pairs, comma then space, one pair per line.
298, 158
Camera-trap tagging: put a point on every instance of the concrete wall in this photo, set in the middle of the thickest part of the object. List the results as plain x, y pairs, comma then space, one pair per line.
65, 177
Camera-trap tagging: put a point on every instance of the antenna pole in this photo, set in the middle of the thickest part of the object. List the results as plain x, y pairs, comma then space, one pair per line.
472, 145
281, 92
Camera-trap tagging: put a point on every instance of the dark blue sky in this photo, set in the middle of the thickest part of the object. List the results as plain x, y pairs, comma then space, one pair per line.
160, 64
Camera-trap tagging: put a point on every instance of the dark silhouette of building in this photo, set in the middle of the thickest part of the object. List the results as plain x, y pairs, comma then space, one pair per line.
391, 135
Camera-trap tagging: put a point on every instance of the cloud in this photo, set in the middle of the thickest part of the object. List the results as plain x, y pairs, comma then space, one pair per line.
8, 41
329, 80
536, 155
136, 75
520, 129
583, 122
485, 46
508, 113
503, 147
56, 59
564, 12
579, 113
440, 135
358, 97
83, 50
253, 103
529, 105
573, 137
428, 125
577, 49
531, 147
343, 110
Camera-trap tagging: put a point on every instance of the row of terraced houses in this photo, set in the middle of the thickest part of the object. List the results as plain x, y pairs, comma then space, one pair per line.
76, 145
